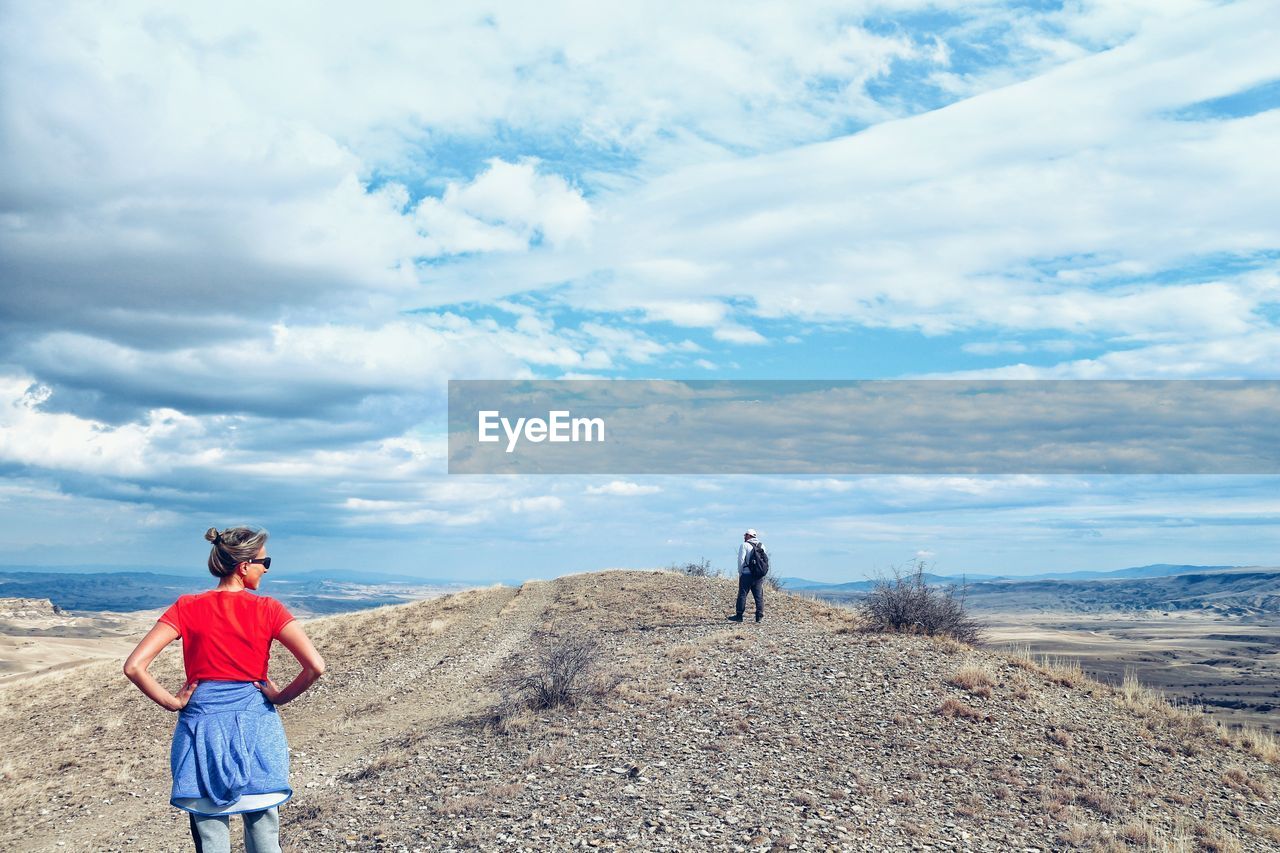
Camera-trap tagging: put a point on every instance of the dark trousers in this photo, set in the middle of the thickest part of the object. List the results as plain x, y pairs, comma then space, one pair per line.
755, 584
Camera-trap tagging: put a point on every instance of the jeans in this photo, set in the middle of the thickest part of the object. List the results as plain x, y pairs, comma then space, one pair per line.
212, 833
748, 581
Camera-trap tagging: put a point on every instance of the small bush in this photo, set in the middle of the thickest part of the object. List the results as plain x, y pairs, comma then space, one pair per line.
700, 569
565, 673
905, 603
775, 583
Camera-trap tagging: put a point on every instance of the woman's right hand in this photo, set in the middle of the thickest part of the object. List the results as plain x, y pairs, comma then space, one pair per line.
184, 696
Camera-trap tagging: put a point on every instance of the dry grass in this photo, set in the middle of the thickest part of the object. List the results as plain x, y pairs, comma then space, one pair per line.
1237, 779
807, 799
951, 707
971, 805
462, 805
1213, 840
1020, 656
1064, 672
546, 755
1258, 743
978, 680
505, 791
1139, 833
1099, 800
1081, 835
377, 767
1184, 729
1137, 697
950, 645
684, 652
1061, 737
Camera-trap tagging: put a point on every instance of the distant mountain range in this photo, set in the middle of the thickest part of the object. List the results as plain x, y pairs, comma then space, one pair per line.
1152, 571
1228, 590
307, 593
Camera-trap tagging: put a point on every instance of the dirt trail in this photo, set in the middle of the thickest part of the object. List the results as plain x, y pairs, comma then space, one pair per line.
422, 683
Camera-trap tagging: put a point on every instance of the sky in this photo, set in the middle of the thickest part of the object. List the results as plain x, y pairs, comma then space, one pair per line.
244, 248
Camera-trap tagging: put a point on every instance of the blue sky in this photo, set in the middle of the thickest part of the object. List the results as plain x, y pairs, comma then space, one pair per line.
243, 250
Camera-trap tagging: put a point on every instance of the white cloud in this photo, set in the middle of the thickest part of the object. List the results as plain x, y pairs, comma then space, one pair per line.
735, 334
541, 504
993, 347
623, 488
396, 513
33, 438
503, 209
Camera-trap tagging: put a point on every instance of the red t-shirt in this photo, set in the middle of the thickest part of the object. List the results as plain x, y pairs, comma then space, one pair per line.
226, 635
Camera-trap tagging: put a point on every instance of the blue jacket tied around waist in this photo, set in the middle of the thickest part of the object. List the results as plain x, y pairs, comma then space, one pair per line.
228, 743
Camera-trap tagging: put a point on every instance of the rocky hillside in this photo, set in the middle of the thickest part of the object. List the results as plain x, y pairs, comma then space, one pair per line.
800, 733
29, 608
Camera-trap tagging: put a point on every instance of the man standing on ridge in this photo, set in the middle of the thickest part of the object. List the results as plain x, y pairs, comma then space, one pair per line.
753, 564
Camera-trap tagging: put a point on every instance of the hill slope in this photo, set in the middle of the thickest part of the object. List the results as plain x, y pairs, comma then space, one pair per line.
801, 732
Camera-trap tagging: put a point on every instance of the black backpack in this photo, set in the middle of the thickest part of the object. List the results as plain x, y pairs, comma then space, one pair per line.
758, 561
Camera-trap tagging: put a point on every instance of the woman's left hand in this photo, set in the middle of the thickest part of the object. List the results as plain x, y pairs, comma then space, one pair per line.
184, 695
269, 689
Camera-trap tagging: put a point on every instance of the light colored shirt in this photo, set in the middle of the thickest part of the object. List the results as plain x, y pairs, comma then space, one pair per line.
744, 552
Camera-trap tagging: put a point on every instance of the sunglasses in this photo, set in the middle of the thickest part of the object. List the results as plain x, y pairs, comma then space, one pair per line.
265, 562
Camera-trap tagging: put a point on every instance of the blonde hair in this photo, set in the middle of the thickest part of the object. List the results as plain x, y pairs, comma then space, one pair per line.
233, 546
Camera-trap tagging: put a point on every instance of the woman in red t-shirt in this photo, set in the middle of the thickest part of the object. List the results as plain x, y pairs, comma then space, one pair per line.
229, 754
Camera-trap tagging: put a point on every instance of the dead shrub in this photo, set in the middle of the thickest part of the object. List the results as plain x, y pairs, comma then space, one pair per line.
700, 569
904, 603
567, 672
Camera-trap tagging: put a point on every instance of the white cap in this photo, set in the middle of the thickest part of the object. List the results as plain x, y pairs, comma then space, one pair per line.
750, 533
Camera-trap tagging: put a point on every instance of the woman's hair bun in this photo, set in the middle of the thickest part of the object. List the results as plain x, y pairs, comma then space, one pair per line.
212, 534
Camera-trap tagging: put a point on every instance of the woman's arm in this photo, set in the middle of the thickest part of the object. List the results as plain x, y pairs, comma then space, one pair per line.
296, 641
135, 668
